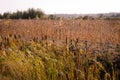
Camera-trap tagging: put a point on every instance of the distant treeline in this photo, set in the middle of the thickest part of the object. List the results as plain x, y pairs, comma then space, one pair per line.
28, 14
32, 13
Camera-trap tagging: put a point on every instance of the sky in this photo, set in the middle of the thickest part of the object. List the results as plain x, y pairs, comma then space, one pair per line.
62, 6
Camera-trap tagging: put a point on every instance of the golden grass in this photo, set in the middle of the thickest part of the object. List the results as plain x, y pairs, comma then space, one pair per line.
59, 50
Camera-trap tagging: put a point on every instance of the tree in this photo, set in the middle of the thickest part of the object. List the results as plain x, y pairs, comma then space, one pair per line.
85, 17
39, 13
25, 15
29, 14
35, 13
53, 17
80, 17
19, 14
88, 17
32, 13
6, 15
1, 16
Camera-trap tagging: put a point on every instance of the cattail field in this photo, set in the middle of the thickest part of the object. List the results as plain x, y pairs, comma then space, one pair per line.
60, 49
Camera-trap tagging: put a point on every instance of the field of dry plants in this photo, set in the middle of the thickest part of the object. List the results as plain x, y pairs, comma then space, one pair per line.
64, 49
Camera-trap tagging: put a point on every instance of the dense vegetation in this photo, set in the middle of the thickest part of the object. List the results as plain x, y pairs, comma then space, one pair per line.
29, 14
38, 60
32, 13
59, 49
